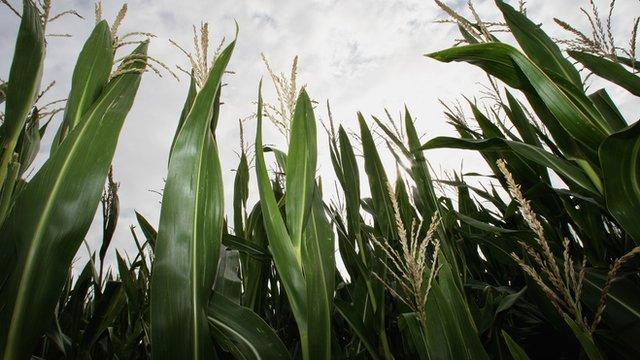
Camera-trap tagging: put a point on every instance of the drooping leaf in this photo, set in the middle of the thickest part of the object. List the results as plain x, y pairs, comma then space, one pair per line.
248, 332
537, 45
609, 70
619, 155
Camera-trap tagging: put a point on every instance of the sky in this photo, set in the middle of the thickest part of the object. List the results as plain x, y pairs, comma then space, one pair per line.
365, 55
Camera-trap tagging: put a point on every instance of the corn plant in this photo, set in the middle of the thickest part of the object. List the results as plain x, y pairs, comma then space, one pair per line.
48, 216
540, 262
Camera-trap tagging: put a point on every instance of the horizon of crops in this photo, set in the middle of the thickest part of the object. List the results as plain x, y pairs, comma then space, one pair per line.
543, 263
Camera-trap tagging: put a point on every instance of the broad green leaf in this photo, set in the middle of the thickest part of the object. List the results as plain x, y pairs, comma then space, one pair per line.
609, 70
190, 232
622, 311
608, 109
351, 184
53, 213
186, 108
90, 76
320, 273
516, 351
414, 329
242, 245
354, 320
537, 45
585, 339
29, 142
420, 170
8, 193
280, 244
619, 155
378, 182
107, 308
569, 105
449, 331
301, 169
538, 155
228, 282
149, 232
248, 332
521, 122
24, 82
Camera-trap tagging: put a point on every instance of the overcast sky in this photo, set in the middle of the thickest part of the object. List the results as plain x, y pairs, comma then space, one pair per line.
364, 55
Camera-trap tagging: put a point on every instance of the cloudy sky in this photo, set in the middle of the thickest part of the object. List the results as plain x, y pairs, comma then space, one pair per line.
364, 55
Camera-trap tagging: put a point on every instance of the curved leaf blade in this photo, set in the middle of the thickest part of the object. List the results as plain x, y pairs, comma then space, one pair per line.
249, 333
53, 213
190, 232
619, 158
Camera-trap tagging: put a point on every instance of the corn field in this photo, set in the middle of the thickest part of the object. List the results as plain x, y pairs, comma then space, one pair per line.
543, 265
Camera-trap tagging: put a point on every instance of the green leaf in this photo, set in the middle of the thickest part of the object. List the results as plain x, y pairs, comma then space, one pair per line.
228, 282
609, 70
280, 244
516, 351
354, 320
242, 245
248, 332
449, 330
240, 196
420, 170
537, 45
414, 328
619, 155
24, 81
565, 168
301, 169
573, 110
521, 122
585, 339
351, 184
378, 182
190, 232
622, 313
149, 232
90, 76
320, 274
188, 103
108, 306
608, 109
53, 213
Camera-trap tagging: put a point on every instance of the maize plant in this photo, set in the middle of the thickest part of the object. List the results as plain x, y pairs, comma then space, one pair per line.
537, 260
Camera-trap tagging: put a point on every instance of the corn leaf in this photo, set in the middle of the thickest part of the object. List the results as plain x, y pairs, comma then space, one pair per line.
280, 244
247, 331
53, 213
90, 76
569, 106
24, 81
516, 351
319, 266
190, 232
301, 169
537, 45
565, 168
619, 155
609, 70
